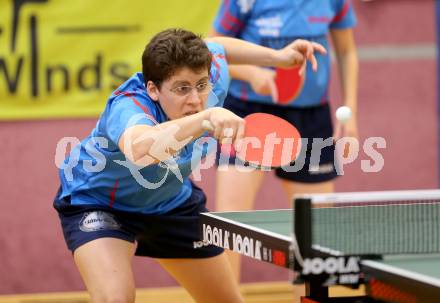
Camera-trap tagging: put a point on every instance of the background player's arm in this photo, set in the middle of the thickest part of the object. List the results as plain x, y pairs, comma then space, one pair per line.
240, 71
262, 80
243, 52
347, 61
137, 142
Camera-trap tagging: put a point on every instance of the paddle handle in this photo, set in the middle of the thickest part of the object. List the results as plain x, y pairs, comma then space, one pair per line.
207, 125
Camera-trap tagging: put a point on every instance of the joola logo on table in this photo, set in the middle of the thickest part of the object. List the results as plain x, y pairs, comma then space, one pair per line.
233, 241
331, 265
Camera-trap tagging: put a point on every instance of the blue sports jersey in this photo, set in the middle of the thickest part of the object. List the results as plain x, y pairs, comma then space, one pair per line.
275, 24
100, 174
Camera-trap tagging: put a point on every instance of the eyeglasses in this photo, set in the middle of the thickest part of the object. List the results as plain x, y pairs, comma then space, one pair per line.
202, 89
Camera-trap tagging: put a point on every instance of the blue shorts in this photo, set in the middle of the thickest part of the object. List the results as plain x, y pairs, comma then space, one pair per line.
312, 122
175, 234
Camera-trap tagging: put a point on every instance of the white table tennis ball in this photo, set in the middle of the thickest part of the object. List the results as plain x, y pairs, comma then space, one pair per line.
343, 114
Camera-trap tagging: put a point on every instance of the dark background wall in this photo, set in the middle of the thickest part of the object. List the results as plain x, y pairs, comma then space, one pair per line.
397, 101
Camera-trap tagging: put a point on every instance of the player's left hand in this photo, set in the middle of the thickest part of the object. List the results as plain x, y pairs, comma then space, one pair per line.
346, 129
262, 81
298, 53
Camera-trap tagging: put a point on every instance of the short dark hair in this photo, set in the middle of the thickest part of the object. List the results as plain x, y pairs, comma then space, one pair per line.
171, 50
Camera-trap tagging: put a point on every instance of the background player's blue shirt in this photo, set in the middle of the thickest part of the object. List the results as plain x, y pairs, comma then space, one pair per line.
102, 176
275, 24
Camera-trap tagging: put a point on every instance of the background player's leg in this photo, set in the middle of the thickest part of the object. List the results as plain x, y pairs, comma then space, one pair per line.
105, 267
236, 190
208, 280
292, 188
245, 185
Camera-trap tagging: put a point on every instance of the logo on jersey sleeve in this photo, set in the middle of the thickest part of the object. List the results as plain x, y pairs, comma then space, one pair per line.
245, 5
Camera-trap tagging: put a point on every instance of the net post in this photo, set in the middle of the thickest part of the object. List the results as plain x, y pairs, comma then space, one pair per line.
314, 288
303, 226
302, 234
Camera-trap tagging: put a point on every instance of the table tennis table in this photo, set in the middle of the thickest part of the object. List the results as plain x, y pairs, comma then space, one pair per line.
267, 235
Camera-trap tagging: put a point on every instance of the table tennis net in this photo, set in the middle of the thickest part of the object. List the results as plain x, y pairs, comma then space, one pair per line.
376, 223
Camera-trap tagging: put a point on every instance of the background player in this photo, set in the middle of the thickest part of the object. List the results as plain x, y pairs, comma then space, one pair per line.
275, 24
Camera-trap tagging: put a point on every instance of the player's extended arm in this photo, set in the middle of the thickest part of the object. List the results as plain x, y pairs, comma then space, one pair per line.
348, 66
145, 145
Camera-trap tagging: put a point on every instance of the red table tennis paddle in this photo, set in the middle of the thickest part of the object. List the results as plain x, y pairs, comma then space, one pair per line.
289, 84
269, 141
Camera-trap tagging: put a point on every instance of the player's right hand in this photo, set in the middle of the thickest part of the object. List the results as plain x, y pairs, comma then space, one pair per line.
227, 126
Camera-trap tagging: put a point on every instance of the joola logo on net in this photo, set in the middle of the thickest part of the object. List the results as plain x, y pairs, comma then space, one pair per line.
331, 265
28, 67
342, 270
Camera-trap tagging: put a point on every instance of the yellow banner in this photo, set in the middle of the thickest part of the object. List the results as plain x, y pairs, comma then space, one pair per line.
63, 59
